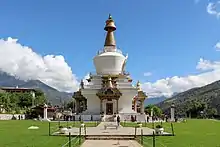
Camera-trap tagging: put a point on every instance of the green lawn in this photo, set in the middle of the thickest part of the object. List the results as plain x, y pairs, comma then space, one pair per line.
15, 133
193, 133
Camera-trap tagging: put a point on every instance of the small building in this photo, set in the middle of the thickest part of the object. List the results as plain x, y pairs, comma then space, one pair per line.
19, 90
16, 89
39, 111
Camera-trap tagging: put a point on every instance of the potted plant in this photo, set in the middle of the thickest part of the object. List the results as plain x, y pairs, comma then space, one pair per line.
139, 124
159, 129
63, 130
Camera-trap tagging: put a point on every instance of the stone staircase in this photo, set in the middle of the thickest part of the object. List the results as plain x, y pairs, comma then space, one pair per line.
109, 118
110, 137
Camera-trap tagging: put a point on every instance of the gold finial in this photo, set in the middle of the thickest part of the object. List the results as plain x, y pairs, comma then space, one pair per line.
138, 85
110, 28
110, 82
81, 84
109, 16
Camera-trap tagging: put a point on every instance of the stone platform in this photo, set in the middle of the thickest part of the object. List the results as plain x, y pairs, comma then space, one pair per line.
101, 131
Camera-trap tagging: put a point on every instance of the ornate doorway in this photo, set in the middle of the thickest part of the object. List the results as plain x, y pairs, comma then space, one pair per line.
109, 108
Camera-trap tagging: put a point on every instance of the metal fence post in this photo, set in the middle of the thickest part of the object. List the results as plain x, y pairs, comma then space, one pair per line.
85, 130
142, 138
69, 139
154, 145
79, 135
172, 128
152, 124
135, 131
49, 128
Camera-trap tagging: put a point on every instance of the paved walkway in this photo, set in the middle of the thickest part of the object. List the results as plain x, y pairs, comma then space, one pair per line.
110, 143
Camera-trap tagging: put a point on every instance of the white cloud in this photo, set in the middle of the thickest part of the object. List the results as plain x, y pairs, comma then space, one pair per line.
147, 74
217, 46
212, 8
24, 63
168, 86
85, 79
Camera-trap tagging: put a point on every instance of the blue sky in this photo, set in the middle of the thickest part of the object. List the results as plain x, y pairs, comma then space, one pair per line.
161, 37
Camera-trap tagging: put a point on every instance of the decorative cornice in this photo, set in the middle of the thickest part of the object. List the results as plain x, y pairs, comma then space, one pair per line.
78, 95
113, 93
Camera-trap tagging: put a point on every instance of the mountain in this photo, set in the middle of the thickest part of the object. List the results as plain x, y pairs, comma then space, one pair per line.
209, 95
153, 101
156, 100
54, 96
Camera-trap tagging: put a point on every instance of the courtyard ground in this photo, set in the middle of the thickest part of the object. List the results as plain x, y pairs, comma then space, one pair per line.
193, 133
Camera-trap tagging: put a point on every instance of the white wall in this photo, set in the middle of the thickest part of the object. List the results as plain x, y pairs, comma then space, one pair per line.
88, 117
125, 101
9, 116
109, 63
93, 104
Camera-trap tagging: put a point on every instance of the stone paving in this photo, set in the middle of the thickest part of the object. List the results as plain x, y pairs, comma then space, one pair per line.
110, 137
100, 130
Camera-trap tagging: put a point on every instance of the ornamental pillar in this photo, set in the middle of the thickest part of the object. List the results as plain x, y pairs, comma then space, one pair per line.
101, 109
117, 106
142, 106
77, 106
135, 105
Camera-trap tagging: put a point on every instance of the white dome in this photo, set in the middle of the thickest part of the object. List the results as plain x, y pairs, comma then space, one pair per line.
109, 63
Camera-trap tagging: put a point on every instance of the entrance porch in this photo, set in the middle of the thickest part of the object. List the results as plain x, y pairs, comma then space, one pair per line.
109, 106
109, 100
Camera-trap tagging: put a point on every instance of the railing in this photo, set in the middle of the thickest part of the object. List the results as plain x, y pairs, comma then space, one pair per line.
151, 140
108, 50
126, 73
77, 140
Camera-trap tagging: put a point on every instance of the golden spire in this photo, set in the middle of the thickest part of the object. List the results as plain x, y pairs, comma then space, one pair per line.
110, 28
109, 84
138, 85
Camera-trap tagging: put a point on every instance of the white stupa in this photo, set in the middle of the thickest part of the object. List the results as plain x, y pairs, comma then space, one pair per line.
110, 90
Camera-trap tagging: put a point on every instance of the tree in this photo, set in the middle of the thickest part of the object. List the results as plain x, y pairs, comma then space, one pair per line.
39, 97
211, 112
70, 105
15, 102
156, 110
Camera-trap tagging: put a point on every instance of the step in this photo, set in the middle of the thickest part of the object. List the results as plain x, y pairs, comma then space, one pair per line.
110, 137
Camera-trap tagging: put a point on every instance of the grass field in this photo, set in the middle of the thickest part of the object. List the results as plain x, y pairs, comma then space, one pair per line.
15, 133
193, 133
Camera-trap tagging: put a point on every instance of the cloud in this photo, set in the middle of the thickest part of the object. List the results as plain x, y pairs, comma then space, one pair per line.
147, 74
168, 86
87, 76
212, 8
217, 46
23, 62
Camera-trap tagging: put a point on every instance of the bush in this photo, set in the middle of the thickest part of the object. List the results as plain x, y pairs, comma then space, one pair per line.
159, 126
60, 127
